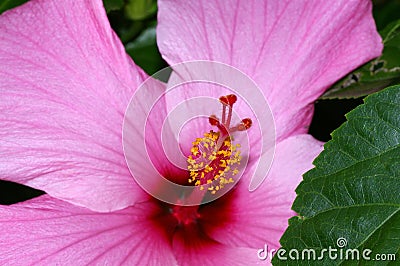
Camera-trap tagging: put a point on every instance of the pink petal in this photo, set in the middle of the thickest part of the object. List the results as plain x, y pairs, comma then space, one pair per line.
192, 248
47, 231
65, 84
293, 50
145, 148
252, 219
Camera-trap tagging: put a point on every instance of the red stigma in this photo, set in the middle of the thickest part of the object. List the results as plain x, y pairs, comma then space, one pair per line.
245, 124
213, 120
228, 99
224, 125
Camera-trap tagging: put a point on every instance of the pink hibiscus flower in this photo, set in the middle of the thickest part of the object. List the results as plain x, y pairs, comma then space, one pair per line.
66, 83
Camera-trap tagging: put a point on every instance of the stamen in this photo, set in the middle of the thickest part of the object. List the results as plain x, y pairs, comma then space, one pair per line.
209, 163
214, 159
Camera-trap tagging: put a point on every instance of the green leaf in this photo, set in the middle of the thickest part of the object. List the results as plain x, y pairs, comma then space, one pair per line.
8, 4
375, 75
111, 5
144, 51
354, 190
140, 9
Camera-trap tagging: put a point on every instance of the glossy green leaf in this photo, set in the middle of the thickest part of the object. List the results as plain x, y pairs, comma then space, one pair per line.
353, 193
375, 75
8, 4
144, 51
111, 5
140, 9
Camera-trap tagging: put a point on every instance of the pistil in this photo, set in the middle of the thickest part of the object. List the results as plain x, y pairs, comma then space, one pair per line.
214, 159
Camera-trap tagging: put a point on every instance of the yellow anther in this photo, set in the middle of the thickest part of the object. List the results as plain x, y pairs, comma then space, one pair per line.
194, 151
223, 163
208, 169
194, 173
227, 143
211, 157
215, 166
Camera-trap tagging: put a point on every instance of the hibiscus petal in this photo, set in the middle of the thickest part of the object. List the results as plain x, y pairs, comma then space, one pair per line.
293, 50
148, 139
65, 84
253, 219
189, 246
48, 231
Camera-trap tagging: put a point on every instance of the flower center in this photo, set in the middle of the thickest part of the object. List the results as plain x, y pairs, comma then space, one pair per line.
185, 214
214, 159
